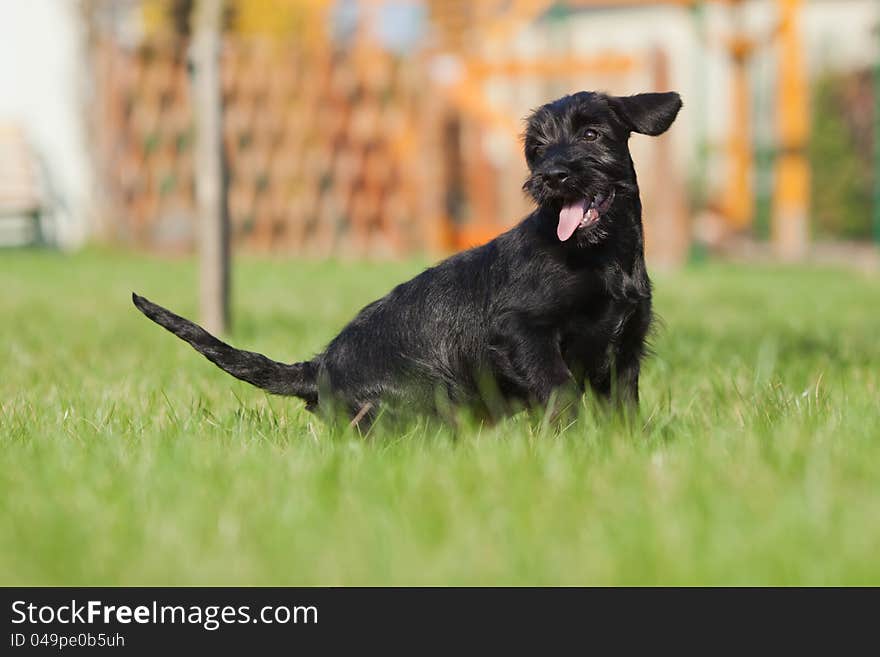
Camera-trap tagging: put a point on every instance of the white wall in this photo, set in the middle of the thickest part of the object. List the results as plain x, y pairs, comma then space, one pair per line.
40, 79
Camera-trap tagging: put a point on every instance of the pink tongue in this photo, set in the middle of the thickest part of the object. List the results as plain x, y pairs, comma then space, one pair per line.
569, 218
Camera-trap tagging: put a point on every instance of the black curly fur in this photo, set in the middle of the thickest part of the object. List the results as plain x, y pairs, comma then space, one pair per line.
508, 323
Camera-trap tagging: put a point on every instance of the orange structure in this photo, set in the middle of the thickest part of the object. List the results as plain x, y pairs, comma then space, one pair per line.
472, 37
792, 179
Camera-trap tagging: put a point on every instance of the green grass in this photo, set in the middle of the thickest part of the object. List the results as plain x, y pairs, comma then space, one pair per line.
126, 458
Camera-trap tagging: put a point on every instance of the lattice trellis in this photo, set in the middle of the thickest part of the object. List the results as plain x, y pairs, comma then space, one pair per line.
315, 147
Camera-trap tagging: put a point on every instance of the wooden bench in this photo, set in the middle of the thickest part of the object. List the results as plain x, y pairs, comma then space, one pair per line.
22, 203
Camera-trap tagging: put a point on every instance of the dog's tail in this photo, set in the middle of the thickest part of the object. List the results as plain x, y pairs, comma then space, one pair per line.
298, 379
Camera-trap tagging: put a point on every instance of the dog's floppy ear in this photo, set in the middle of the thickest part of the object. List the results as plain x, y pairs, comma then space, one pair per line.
648, 114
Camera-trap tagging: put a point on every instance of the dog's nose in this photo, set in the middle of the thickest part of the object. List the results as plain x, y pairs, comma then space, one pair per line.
555, 175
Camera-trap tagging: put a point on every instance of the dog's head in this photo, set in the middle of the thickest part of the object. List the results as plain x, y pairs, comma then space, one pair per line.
578, 156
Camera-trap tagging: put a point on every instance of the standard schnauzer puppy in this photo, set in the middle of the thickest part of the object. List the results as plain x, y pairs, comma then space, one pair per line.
558, 303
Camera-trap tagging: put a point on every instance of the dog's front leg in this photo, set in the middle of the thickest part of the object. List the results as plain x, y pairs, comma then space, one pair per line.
526, 357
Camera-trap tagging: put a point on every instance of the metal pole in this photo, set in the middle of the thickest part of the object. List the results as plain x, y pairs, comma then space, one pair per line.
210, 179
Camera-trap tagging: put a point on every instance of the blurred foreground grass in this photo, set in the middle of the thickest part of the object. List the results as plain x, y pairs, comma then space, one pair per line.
126, 458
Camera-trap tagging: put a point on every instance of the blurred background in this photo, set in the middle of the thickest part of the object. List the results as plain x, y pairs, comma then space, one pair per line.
383, 128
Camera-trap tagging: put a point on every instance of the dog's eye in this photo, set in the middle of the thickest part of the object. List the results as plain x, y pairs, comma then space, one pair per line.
591, 135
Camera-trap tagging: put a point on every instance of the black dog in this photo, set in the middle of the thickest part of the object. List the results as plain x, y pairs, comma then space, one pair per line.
560, 301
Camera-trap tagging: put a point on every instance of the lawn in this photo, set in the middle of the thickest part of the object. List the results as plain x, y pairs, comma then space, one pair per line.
126, 458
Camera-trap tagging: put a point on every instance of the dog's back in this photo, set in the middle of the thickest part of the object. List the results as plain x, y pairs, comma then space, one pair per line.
427, 337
